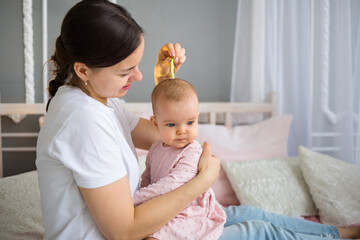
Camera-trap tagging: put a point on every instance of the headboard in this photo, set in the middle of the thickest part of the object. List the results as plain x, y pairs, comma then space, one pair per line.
211, 109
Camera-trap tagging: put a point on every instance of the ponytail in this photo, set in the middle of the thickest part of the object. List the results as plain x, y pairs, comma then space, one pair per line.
62, 66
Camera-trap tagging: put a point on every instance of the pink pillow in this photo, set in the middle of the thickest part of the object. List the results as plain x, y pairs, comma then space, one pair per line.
266, 139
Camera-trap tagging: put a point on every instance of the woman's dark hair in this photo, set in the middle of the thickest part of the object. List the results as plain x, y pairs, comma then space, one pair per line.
97, 33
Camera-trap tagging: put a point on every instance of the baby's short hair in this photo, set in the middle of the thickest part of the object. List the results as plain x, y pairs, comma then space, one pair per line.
172, 90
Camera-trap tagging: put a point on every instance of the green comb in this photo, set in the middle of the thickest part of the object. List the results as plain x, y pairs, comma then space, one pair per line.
172, 68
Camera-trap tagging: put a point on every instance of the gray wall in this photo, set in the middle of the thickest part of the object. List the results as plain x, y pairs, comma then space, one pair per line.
204, 27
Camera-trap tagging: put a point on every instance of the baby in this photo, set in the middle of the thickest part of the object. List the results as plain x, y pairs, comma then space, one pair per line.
173, 161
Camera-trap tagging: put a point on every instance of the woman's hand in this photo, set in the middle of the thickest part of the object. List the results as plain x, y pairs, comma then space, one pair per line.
162, 66
209, 165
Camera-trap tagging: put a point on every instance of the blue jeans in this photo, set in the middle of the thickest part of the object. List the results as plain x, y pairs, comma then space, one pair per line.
249, 222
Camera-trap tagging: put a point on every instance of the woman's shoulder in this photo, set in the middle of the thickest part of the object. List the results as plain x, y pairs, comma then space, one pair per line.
70, 104
74, 98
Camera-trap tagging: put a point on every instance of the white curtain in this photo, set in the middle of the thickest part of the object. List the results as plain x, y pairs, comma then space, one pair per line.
308, 51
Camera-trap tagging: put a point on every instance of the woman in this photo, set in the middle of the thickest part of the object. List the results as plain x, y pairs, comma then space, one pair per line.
86, 162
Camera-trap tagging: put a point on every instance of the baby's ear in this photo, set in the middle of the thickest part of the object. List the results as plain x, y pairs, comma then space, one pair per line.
153, 120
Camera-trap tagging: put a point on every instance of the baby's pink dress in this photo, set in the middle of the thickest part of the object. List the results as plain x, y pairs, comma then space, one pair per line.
168, 168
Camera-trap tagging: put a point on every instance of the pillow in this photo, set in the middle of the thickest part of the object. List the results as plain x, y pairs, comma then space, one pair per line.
265, 139
275, 185
142, 165
20, 210
334, 186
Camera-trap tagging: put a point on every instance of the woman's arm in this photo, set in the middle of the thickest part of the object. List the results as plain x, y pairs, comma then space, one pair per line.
162, 66
113, 211
144, 134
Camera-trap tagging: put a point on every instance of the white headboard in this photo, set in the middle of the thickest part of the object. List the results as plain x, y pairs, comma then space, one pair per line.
212, 109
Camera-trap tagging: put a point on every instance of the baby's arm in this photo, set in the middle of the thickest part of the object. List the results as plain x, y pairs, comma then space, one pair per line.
185, 169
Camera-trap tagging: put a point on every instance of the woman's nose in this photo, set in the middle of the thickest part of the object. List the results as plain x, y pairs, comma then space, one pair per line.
137, 75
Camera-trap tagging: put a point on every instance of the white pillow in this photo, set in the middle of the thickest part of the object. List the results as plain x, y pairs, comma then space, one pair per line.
334, 186
142, 165
275, 185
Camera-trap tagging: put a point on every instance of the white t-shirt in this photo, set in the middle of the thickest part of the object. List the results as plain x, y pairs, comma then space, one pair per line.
81, 143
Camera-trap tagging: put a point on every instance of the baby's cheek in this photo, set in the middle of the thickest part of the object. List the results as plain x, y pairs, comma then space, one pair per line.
192, 138
167, 139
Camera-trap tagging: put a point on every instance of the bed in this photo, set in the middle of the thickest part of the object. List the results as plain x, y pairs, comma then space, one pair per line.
255, 170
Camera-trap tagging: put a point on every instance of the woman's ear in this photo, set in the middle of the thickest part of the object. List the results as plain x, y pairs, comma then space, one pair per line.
153, 120
82, 71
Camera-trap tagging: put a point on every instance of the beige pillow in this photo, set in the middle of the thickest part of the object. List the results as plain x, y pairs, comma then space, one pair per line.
20, 210
334, 186
275, 185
